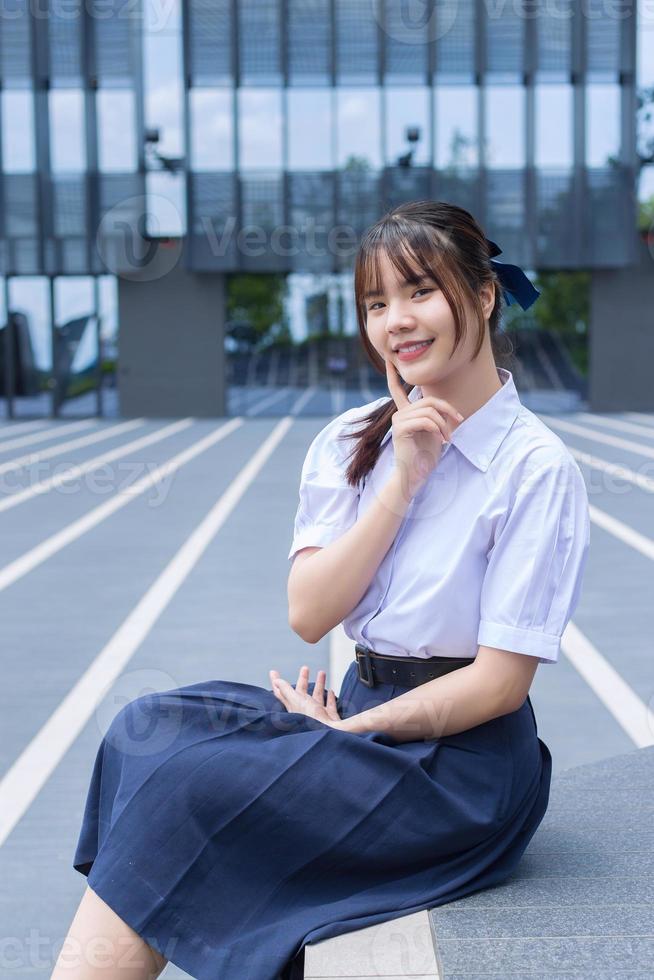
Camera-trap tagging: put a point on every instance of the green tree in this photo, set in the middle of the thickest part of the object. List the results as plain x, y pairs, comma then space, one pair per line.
563, 308
646, 214
258, 300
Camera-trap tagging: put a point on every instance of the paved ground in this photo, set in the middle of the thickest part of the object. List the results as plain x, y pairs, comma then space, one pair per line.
106, 592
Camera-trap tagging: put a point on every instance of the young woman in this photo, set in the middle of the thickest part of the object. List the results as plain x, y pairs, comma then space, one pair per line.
447, 528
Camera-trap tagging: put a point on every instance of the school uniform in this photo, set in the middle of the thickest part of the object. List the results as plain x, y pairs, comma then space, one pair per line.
234, 832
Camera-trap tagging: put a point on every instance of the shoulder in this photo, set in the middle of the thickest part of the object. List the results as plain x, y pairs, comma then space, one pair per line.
534, 452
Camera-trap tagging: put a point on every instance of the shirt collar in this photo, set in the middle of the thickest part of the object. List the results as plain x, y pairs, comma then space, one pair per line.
479, 436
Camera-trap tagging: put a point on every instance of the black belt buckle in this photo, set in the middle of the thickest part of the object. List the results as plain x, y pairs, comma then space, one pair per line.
368, 679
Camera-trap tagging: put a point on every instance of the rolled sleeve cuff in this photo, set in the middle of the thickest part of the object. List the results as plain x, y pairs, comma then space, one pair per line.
533, 643
315, 536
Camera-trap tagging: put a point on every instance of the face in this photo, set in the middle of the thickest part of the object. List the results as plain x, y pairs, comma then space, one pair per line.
406, 314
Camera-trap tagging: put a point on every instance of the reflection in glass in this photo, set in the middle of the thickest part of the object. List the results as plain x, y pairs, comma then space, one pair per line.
457, 126
358, 127
67, 146
75, 337
162, 73
29, 308
260, 128
602, 124
554, 126
212, 130
166, 213
407, 108
18, 151
309, 129
505, 126
116, 131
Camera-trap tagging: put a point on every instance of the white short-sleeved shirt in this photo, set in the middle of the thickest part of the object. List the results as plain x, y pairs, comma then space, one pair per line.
491, 551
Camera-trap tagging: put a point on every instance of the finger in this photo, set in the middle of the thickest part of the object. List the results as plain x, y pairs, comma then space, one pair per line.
332, 709
442, 406
319, 687
394, 385
303, 679
426, 411
421, 424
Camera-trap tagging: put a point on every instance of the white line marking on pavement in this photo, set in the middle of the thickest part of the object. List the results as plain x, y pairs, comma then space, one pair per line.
614, 469
41, 552
64, 447
52, 433
10, 429
341, 655
619, 424
40, 758
632, 714
603, 437
79, 469
622, 531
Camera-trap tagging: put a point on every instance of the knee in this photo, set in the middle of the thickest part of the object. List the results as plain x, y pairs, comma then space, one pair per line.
139, 725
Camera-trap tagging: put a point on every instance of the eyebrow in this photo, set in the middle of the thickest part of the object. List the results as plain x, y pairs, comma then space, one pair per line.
413, 281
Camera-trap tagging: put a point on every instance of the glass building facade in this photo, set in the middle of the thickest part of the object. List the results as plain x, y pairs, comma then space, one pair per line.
268, 134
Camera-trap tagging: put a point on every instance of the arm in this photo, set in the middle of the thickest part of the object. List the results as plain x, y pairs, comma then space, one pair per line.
496, 683
327, 585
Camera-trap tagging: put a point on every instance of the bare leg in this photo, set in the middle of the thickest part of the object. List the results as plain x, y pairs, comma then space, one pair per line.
100, 946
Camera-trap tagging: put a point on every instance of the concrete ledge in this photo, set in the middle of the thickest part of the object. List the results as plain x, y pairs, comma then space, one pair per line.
401, 947
580, 905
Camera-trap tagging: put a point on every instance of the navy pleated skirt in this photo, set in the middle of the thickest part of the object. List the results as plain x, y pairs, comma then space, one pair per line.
229, 832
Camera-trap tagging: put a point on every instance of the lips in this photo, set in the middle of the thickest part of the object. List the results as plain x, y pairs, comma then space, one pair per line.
426, 340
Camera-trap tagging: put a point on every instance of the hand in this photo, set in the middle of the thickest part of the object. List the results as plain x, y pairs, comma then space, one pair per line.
419, 430
297, 699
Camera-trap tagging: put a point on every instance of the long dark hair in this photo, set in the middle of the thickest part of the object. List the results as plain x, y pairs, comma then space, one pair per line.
446, 243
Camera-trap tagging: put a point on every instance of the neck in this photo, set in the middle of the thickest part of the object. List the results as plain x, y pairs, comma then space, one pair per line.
468, 388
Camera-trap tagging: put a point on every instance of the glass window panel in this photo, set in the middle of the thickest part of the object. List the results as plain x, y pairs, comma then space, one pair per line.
310, 129
162, 74
116, 130
645, 44
212, 129
30, 295
73, 297
457, 126
166, 212
505, 126
108, 310
602, 124
358, 126
19, 156
260, 128
407, 108
357, 37
554, 126
67, 147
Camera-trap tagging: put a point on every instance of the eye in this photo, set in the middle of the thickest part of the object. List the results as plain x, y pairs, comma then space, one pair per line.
425, 289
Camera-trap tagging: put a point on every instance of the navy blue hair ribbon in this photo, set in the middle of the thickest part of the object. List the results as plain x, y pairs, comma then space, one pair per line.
515, 284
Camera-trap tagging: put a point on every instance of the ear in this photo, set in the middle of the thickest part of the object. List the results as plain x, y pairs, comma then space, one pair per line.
487, 298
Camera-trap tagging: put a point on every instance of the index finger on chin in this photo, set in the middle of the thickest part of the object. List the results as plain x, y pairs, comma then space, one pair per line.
394, 386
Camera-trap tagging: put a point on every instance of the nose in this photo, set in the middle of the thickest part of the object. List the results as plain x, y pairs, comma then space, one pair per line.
398, 320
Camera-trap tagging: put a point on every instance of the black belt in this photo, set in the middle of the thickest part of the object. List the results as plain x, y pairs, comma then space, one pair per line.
381, 668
